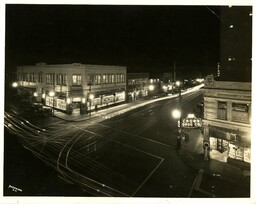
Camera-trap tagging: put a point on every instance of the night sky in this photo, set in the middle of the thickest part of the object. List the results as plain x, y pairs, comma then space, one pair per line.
143, 38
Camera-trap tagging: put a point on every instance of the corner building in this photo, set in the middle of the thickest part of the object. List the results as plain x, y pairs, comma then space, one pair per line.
74, 84
227, 119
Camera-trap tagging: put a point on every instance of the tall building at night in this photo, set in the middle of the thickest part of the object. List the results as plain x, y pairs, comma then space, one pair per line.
235, 43
64, 84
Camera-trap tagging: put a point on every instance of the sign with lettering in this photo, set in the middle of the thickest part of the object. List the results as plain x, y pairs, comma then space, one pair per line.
191, 122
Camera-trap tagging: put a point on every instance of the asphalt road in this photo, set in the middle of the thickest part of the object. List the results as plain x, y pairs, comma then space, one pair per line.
131, 155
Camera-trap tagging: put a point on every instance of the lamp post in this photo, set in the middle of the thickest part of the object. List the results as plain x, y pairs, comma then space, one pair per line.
177, 114
178, 84
52, 94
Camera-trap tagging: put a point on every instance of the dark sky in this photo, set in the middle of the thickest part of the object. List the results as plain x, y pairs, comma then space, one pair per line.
144, 38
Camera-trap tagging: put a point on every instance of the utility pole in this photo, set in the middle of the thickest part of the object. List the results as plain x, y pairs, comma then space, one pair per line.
174, 71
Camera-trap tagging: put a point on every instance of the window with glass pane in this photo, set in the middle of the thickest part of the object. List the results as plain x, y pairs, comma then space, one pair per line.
64, 79
76, 79
107, 79
222, 110
40, 77
240, 112
27, 77
50, 78
240, 107
98, 79
32, 77
113, 78
110, 79
118, 78
59, 79
122, 78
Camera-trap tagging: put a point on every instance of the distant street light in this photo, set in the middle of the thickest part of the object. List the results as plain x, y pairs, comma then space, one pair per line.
151, 87
178, 83
14, 84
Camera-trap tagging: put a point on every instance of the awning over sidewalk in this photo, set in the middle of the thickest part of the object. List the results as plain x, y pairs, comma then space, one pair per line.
231, 135
108, 92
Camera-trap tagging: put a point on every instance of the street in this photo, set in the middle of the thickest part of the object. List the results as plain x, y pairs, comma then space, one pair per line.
133, 154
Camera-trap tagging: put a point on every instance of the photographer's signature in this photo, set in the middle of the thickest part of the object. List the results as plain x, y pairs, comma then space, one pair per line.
15, 189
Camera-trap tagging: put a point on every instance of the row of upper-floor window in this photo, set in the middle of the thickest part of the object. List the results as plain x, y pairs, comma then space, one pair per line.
61, 79
239, 111
107, 78
141, 81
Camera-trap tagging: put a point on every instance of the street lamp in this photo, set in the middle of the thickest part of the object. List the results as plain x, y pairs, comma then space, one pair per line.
151, 87
177, 113
14, 84
52, 94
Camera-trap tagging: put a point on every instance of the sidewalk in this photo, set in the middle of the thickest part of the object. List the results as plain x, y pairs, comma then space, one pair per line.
109, 111
192, 153
105, 112
116, 109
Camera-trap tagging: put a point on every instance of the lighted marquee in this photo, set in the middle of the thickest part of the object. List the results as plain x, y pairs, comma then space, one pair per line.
191, 122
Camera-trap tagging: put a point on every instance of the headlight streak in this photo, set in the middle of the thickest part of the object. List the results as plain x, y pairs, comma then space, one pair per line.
105, 172
125, 145
100, 184
33, 137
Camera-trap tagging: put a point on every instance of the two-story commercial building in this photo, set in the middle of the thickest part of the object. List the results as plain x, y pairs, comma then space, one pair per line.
227, 118
60, 85
137, 85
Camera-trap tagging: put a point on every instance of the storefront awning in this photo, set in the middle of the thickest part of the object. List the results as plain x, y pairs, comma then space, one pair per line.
230, 134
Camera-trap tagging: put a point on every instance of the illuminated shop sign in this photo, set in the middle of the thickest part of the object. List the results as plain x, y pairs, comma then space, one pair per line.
191, 122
